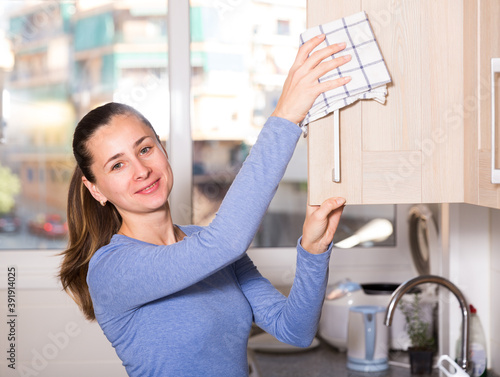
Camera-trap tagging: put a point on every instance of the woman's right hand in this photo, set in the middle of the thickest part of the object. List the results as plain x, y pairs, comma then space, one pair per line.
301, 86
321, 224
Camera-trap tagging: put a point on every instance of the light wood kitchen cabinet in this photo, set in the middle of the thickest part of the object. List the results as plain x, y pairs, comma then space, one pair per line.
431, 141
483, 30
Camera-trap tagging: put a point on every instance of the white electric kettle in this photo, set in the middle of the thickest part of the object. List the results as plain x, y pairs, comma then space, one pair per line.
345, 294
367, 339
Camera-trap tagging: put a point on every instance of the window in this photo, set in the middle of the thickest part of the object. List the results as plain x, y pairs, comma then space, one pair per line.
59, 59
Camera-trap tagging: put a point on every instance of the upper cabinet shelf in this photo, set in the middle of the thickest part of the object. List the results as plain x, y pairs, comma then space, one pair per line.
431, 141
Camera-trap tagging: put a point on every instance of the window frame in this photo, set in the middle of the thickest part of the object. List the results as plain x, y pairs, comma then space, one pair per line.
180, 145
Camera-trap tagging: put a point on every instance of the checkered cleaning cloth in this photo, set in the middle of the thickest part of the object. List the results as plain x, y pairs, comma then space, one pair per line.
367, 68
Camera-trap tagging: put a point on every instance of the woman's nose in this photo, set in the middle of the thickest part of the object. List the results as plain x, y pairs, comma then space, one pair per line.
141, 170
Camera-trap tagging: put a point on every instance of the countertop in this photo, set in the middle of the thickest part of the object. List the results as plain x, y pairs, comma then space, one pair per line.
324, 361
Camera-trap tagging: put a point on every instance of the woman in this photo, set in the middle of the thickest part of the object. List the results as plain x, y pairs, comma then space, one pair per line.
180, 300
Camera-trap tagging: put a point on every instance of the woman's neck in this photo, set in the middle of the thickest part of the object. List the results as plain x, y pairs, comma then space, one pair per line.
156, 228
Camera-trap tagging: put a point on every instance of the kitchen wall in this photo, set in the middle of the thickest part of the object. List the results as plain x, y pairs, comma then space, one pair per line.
474, 266
52, 338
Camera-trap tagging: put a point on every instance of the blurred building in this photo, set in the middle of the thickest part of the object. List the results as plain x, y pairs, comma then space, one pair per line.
42, 116
241, 52
120, 53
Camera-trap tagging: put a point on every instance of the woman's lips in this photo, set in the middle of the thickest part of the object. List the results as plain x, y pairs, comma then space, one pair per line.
149, 189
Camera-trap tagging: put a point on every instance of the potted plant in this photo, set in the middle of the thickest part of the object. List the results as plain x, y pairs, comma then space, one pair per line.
421, 336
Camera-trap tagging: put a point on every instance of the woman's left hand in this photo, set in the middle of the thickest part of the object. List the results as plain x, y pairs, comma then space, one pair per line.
320, 225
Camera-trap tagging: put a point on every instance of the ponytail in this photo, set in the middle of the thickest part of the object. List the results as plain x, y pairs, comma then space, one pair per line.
91, 226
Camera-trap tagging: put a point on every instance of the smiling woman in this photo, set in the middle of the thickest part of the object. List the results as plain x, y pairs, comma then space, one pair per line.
165, 294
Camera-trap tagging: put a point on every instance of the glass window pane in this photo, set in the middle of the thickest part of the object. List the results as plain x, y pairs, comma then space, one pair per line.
68, 57
240, 55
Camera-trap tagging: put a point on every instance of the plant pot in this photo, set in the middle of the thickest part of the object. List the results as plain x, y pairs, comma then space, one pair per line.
421, 360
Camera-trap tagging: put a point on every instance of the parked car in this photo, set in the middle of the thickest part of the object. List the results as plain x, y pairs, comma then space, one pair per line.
9, 223
50, 225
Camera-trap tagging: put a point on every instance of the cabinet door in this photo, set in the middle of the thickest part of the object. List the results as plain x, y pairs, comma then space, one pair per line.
482, 45
405, 151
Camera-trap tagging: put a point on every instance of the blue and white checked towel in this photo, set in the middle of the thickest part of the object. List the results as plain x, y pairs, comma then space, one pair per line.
367, 68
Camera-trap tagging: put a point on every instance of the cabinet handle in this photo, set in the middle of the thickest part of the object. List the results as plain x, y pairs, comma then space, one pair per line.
495, 173
336, 146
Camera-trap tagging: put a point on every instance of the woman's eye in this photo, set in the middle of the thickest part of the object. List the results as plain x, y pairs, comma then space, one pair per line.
117, 166
145, 150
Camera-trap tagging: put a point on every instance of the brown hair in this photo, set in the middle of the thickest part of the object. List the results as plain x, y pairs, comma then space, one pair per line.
90, 225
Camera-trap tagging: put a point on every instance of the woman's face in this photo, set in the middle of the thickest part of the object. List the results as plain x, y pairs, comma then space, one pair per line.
131, 168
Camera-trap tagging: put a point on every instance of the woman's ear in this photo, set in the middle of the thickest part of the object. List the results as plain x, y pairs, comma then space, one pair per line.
94, 191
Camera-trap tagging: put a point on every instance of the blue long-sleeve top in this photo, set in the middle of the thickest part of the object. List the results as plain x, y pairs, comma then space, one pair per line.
186, 309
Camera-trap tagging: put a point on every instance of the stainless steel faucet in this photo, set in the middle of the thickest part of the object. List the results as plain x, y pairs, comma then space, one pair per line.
464, 307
